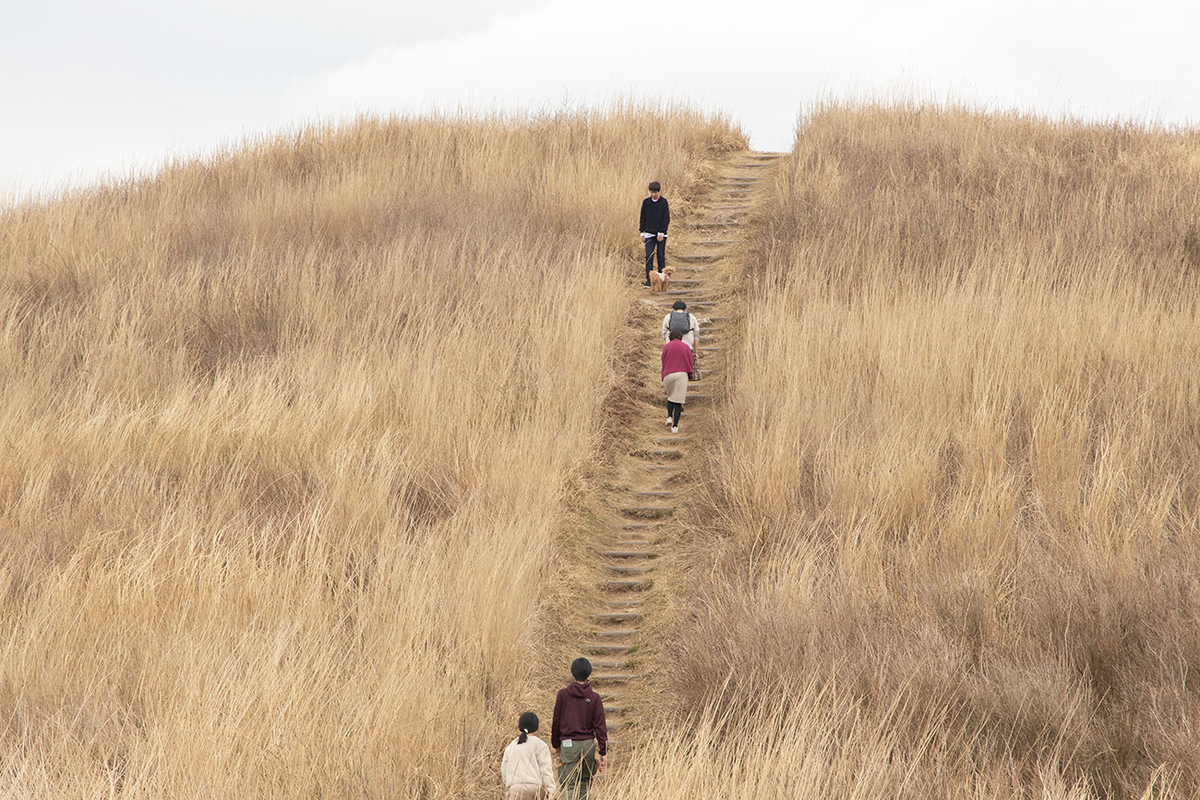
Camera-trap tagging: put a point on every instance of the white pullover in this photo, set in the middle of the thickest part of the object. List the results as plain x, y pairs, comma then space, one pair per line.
528, 763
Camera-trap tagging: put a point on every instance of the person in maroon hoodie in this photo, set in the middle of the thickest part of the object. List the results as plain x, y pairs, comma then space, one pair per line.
579, 733
677, 365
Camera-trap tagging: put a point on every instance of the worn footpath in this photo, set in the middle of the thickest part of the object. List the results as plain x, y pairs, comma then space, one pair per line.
647, 486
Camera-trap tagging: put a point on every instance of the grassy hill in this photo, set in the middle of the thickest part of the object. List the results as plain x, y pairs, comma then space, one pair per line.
286, 435
292, 438
955, 549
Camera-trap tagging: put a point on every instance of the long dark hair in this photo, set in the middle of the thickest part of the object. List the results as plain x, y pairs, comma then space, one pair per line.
527, 724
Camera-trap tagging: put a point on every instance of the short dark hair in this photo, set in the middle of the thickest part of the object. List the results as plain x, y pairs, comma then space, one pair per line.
655, 186
679, 305
581, 668
675, 335
527, 724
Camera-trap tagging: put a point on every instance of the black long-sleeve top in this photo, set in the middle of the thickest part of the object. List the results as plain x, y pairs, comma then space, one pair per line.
656, 216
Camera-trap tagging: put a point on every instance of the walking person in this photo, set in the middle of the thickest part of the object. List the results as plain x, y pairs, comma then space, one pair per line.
677, 364
527, 766
579, 733
656, 216
680, 319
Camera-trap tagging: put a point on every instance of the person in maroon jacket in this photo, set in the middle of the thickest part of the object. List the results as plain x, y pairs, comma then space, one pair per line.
579, 733
677, 365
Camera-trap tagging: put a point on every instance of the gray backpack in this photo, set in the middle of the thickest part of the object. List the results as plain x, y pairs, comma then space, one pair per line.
679, 322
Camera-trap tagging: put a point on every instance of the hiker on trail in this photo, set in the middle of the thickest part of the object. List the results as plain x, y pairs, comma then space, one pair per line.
579, 733
677, 364
656, 216
528, 767
680, 320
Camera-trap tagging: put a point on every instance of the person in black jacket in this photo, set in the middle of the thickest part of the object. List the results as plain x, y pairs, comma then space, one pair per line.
656, 216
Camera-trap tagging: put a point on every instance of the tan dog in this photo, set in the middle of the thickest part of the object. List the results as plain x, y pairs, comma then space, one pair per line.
660, 281
667, 272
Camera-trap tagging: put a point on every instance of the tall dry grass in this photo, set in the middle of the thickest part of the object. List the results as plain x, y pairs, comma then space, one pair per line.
957, 552
285, 436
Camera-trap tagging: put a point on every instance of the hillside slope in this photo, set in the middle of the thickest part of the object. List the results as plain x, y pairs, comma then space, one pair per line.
307, 453
953, 544
285, 435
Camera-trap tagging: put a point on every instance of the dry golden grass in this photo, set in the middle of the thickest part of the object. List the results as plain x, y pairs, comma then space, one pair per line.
285, 436
957, 552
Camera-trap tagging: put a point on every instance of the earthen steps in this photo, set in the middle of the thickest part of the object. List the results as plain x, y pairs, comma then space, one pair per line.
632, 585
616, 634
644, 506
648, 512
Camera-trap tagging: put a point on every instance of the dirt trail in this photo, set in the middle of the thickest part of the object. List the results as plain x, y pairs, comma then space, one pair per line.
646, 485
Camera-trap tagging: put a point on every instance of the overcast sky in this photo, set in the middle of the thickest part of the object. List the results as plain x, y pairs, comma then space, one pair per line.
95, 87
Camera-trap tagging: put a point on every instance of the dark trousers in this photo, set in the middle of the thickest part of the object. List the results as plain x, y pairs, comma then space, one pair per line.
674, 411
653, 245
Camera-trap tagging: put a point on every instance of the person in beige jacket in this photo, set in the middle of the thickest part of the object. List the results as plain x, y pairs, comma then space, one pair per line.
527, 767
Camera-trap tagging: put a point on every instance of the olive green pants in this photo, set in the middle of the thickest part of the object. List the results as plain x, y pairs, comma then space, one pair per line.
576, 767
